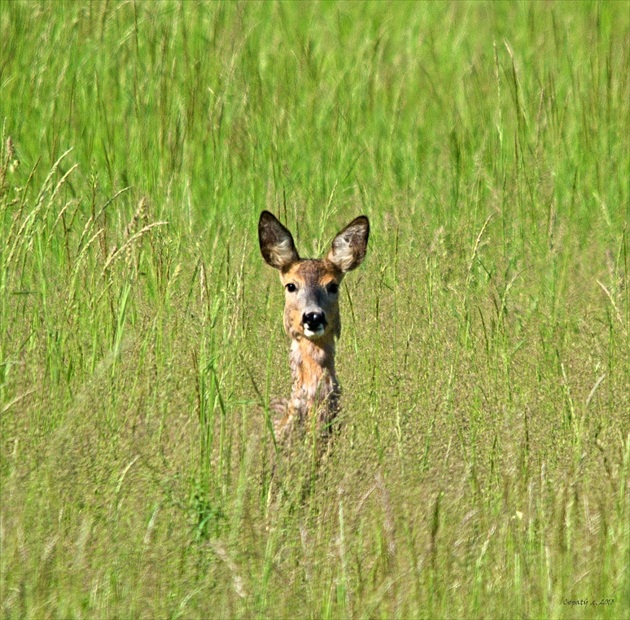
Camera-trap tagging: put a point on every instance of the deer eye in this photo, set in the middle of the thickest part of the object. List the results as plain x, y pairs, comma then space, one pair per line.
291, 288
333, 288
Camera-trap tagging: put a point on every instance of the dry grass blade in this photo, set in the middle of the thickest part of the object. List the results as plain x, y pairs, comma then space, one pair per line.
116, 252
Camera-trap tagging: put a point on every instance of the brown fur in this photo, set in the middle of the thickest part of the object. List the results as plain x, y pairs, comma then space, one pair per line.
312, 286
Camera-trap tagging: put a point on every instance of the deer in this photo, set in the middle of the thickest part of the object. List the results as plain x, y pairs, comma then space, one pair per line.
311, 320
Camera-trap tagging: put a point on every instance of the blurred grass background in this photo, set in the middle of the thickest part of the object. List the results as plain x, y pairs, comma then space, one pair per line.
484, 463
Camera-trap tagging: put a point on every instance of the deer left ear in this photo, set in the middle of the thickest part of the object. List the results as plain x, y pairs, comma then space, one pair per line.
276, 242
350, 245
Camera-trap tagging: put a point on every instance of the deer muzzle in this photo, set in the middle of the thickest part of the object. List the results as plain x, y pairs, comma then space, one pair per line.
314, 324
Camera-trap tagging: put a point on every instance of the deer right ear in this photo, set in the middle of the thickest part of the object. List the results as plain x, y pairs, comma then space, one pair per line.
276, 242
350, 245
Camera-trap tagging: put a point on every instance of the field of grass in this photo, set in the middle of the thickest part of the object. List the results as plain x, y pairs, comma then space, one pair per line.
482, 468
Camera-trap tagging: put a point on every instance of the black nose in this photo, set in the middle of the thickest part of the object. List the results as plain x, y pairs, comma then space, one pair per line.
314, 320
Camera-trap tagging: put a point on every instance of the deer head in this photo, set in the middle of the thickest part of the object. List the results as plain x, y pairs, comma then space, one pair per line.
312, 285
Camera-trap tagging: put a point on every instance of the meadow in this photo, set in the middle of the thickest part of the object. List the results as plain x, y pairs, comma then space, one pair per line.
482, 467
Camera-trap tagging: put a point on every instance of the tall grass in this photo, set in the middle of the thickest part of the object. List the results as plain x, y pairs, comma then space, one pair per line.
483, 466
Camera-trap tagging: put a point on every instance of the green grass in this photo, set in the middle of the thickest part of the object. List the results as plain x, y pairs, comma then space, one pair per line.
483, 466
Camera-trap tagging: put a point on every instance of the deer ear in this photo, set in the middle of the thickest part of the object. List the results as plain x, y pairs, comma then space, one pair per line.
276, 242
350, 245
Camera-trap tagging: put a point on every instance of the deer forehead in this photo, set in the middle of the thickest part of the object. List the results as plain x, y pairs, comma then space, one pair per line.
312, 272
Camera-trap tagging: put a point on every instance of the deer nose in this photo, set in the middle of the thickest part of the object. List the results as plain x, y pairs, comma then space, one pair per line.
314, 320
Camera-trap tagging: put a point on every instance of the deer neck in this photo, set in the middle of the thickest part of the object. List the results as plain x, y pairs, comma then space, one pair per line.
313, 369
